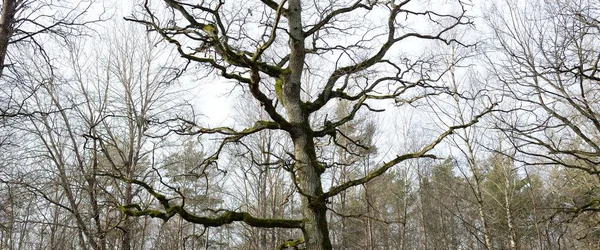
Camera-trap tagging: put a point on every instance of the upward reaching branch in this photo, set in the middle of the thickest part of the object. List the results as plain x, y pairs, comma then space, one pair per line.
421, 153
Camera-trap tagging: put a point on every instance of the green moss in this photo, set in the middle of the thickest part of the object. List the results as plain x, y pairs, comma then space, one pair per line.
279, 88
137, 213
210, 29
279, 82
291, 244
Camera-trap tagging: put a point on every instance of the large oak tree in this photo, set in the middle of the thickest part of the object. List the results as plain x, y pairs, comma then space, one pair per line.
361, 52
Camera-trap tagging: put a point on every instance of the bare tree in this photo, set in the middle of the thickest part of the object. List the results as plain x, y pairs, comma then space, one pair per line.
266, 47
547, 58
91, 124
260, 178
26, 22
27, 30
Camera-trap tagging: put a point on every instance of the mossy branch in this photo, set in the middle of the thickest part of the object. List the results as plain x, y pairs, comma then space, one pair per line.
291, 244
593, 205
225, 217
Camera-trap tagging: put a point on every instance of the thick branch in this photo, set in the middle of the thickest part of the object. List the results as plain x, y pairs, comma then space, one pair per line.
226, 217
273, 5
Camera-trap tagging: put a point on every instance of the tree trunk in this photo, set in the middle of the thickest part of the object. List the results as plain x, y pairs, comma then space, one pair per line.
307, 169
509, 217
127, 226
9, 9
316, 232
473, 165
127, 223
479, 197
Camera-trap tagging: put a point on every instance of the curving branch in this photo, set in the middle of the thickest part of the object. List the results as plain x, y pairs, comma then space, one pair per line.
273, 5
319, 25
225, 217
419, 154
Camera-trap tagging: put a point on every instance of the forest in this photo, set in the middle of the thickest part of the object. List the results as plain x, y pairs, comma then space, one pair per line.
289, 124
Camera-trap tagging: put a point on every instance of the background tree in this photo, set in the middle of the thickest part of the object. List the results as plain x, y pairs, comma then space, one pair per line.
27, 30
507, 200
90, 124
572, 188
261, 179
546, 58
26, 23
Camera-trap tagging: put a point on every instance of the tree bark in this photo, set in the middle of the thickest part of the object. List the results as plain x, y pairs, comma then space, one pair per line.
509, 217
127, 223
472, 162
9, 9
307, 169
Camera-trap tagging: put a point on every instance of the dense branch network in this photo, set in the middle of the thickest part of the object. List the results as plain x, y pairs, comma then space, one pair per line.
555, 83
270, 68
251, 68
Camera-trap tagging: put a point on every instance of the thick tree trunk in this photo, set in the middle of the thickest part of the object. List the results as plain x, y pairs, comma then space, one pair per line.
316, 232
307, 169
